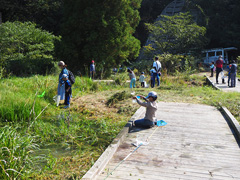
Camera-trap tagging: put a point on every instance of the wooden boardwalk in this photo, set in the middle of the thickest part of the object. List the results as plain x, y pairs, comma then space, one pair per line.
197, 144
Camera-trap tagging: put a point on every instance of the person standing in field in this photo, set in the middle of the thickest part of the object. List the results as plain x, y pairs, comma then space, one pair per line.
212, 69
156, 71
92, 69
68, 91
132, 78
142, 79
219, 68
61, 82
151, 77
233, 74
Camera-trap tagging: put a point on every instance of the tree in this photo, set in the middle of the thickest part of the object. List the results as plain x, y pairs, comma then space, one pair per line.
45, 13
149, 11
177, 34
223, 27
101, 30
25, 43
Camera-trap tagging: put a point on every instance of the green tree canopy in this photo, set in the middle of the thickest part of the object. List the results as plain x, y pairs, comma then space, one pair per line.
101, 30
177, 34
223, 22
46, 13
25, 42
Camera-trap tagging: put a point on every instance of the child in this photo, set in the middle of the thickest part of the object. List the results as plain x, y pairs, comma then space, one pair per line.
151, 105
142, 79
132, 78
68, 91
152, 78
229, 73
212, 69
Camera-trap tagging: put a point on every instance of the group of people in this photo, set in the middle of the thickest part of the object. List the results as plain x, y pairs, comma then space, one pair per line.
155, 73
65, 93
231, 68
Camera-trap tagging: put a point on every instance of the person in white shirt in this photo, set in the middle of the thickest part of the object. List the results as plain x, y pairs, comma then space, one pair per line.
142, 79
156, 73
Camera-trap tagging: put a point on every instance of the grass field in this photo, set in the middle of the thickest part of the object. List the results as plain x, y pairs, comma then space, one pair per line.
63, 144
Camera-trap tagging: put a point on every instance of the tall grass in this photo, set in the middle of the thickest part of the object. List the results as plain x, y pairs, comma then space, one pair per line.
15, 160
82, 132
17, 95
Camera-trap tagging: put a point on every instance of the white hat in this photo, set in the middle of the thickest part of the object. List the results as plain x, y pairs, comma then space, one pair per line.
64, 76
61, 63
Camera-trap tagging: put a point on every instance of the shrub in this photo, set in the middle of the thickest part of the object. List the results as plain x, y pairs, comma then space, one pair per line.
118, 97
121, 78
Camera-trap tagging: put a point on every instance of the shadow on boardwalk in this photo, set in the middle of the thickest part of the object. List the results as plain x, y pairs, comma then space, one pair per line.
197, 143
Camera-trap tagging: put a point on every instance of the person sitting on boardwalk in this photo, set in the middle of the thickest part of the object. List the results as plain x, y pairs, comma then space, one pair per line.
233, 72
150, 116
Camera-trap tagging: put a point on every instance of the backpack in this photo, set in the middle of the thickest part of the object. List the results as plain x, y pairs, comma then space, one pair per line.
71, 77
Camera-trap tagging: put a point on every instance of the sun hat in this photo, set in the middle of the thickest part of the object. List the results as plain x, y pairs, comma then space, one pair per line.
64, 76
61, 63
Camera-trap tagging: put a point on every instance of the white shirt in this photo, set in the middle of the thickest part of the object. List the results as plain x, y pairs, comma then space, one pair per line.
142, 78
158, 66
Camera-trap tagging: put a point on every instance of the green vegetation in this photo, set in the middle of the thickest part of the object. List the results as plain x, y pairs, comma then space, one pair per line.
222, 23
41, 141
15, 153
26, 49
79, 135
100, 30
46, 13
65, 143
177, 34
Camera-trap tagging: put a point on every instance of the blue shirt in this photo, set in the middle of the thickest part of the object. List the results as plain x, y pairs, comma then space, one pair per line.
233, 68
64, 71
92, 67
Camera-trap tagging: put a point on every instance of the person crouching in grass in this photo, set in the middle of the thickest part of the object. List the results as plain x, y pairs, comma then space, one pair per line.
68, 91
150, 117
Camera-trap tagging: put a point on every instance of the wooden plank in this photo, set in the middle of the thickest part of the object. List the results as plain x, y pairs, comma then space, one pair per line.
196, 144
152, 172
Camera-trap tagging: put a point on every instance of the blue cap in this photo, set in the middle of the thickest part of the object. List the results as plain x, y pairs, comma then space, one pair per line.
152, 94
